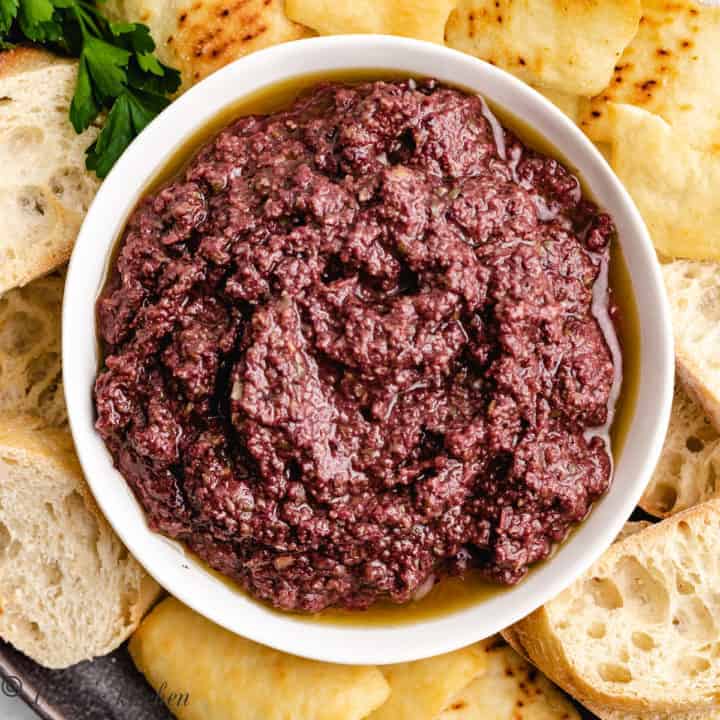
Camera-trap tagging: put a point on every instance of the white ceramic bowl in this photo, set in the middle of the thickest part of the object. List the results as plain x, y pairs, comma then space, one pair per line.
165, 560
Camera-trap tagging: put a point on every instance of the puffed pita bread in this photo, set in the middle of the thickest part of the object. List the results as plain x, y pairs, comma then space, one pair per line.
200, 36
674, 185
568, 103
420, 19
511, 689
225, 676
420, 690
670, 69
571, 47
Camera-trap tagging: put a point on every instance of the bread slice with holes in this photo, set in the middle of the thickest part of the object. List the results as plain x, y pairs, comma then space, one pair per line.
45, 189
69, 590
603, 713
688, 471
638, 633
509, 634
694, 291
30, 371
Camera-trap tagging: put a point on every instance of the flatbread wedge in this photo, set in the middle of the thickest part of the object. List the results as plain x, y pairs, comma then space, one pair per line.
511, 689
420, 690
570, 47
666, 70
673, 184
200, 36
225, 676
419, 19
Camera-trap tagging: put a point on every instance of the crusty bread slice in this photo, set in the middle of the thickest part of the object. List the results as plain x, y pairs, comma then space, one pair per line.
513, 639
604, 713
687, 472
30, 371
69, 590
44, 187
694, 291
607, 714
510, 635
638, 632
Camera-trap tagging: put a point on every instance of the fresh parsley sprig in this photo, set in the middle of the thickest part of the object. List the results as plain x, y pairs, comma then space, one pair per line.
118, 72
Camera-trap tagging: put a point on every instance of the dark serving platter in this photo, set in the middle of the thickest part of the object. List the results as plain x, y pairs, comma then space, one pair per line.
108, 688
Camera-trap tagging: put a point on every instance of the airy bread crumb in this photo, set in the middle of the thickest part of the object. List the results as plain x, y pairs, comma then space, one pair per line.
69, 590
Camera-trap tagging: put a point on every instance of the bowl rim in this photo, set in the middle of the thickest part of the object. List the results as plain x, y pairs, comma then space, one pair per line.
164, 559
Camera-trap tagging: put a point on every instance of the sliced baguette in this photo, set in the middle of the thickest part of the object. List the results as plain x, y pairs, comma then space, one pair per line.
30, 371
513, 639
638, 633
607, 714
69, 591
44, 189
604, 713
687, 472
510, 635
694, 291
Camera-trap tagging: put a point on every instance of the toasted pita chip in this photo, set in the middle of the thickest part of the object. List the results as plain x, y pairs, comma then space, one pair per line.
200, 36
204, 672
571, 47
511, 689
668, 69
569, 104
420, 690
674, 185
420, 19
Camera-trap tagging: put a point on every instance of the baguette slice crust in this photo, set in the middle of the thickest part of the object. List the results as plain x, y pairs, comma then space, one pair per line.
30, 366
606, 714
638, 632
689, 466
69, 590
694, 291
45, 189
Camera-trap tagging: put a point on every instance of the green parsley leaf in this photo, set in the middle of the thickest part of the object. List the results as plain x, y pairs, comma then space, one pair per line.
159, 84
117, 71
115, 136
8, 12
149, 63
133, 36
106, 65
37, 20
84, 108
129, 116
